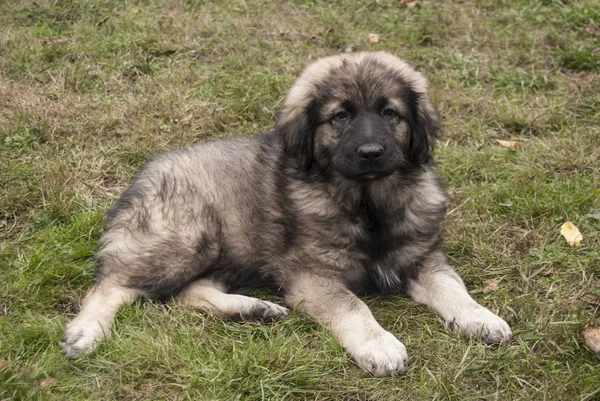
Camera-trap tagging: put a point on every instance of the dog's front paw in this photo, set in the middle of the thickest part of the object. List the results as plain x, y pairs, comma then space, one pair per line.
383, 355
81, 337
479, 322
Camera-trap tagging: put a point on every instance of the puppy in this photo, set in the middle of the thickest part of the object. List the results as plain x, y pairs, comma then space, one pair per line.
340, 199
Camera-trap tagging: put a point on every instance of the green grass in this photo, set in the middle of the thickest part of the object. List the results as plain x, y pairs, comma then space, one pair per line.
88, 90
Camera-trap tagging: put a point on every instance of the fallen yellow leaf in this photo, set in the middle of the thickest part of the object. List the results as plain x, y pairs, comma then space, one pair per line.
187, 119
135, 10
45, 384
592, 30
59, 41
509, 144
571, 233
592, 338
413, 3
490, 285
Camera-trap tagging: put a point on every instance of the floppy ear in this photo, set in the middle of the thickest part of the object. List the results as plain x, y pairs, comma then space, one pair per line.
425, 125
296, 130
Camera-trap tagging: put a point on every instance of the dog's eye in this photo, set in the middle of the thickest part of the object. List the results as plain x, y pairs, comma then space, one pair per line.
389, 112
341, 115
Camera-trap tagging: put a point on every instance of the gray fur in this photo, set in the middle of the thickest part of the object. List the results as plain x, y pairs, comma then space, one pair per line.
295, 210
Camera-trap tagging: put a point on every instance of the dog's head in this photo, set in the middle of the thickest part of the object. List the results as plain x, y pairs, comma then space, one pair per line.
364, 115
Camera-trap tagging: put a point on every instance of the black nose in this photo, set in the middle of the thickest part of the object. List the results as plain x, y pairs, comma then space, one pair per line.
370, 151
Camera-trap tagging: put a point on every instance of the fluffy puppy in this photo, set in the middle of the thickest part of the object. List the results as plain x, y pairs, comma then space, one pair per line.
341, 199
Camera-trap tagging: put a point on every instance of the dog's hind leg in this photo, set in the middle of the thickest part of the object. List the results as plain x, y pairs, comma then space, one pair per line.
95, 319
211, 296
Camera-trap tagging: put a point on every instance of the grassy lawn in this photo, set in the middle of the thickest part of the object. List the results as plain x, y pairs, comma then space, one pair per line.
90, 89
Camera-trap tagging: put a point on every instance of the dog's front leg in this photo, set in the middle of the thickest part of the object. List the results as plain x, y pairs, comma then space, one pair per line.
439, 287
328, 302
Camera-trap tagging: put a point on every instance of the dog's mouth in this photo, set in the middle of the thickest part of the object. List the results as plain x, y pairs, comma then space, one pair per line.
371, 176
